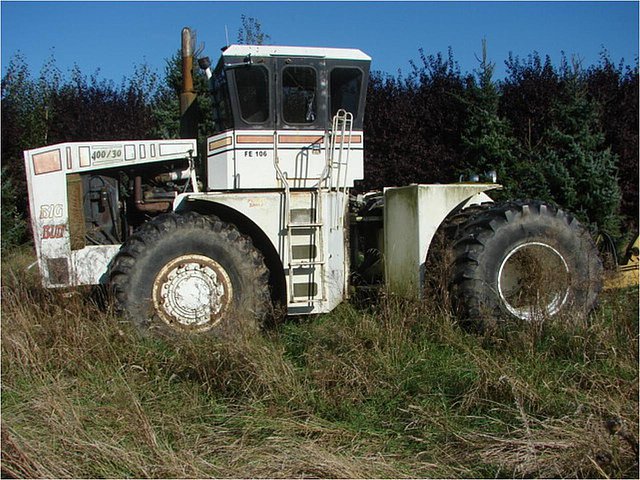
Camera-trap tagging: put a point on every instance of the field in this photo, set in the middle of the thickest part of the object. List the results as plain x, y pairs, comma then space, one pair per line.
390, 389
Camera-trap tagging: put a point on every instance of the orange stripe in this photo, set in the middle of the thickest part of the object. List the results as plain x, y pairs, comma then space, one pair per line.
254, 138
354, 139
288, 139
300, 139
223, 142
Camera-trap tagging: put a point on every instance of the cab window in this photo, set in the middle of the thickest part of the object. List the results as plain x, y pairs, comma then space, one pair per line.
345, 86
299, 95
252, 84
222, 117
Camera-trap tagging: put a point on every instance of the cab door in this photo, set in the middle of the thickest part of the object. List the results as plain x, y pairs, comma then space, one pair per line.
251, 92
301, 118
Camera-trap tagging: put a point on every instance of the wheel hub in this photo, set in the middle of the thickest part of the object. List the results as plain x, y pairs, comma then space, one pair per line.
192, 292
533, 281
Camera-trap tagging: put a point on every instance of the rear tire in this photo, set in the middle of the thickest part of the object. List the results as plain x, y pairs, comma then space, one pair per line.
439, 261
189, 274
525, 261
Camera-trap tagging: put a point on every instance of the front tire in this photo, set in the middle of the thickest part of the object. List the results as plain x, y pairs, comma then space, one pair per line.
525, 261
190, 274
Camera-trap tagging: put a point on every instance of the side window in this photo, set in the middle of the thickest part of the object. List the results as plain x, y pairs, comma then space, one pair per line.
252, 84
345, 89
222, 117
299, 95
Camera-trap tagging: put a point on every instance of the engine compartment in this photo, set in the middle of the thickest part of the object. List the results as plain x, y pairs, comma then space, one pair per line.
108, 205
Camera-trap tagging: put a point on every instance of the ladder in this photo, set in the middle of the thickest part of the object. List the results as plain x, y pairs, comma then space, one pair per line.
333, 176
315, 263
338, 157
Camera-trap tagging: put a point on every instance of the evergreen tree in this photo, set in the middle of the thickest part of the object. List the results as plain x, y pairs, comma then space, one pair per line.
527, 95
486, 139
579, 169
166, 102
615, 90
14, 227
562, 155
26, 117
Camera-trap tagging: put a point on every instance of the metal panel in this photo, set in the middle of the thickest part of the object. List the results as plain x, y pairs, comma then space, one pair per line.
279, 51
412, 216
50, 198
248, 164
266, 210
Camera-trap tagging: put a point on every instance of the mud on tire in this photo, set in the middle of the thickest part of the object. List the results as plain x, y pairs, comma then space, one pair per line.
524, 260
190, 273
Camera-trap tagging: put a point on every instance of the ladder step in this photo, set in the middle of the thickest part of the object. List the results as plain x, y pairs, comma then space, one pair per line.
305, 263
304, 292
309, 301
305, 225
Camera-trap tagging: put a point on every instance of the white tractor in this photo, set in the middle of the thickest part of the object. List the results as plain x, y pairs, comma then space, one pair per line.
271, 221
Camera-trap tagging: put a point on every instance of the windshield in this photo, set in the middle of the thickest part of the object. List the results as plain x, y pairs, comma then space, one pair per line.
222, 116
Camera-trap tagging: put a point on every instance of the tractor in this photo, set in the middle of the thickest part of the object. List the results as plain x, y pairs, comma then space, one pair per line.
265, 216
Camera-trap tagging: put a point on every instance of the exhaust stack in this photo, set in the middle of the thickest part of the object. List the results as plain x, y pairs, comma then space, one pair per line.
188, 104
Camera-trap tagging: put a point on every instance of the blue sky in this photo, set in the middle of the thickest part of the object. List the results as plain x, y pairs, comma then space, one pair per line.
116, 36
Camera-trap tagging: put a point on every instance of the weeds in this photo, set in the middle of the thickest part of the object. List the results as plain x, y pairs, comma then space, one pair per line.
396, 390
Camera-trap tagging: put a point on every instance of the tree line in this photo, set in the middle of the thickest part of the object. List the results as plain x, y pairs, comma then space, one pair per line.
563, 133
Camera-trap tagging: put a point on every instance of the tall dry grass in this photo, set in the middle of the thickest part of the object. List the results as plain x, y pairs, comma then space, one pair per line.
393, 390
84, 396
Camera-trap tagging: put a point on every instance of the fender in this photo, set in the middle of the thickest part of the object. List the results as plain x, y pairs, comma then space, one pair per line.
412, 216
211, 204
261, 215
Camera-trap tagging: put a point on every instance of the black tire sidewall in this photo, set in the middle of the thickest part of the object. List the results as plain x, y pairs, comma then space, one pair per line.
504, 231
210, 238
553, 235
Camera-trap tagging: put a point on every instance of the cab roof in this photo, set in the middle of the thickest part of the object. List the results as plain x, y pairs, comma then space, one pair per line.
284, 51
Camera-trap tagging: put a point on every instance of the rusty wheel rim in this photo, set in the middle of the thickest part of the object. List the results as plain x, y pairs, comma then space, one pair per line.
192, 292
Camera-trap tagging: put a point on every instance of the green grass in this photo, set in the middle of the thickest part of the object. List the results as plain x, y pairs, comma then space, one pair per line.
394, 390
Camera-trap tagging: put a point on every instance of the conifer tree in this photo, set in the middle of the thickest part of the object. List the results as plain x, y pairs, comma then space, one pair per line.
615, 90
580, 171
166, 104
13, 226
486, 138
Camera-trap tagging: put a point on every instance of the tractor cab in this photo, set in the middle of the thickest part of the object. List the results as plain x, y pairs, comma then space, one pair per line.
274, 110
